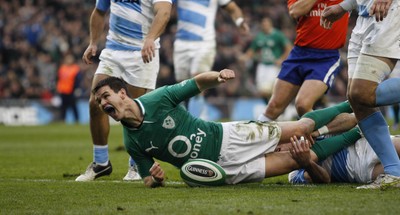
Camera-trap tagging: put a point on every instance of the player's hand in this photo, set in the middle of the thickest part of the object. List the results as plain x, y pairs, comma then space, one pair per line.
148, 50
157, 173
89, 53
225, 74
380, 9
330, 15
310, 139
244, 28
300, 151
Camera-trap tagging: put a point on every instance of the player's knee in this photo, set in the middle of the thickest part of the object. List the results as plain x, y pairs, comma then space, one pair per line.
301, 110
274, 108
357, 96
303, 107
306, 126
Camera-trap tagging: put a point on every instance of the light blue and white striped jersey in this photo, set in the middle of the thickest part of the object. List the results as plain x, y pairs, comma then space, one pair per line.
196, 19
130, 21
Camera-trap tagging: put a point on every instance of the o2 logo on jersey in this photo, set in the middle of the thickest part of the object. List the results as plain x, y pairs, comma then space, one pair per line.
176, 147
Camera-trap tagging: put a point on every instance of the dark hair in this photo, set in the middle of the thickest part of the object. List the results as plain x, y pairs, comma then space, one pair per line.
116, 84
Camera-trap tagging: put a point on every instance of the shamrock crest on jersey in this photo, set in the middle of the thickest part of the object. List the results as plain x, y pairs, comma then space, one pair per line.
168, 123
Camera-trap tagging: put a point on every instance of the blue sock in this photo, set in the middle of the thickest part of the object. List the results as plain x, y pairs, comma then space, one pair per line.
131, 162
376, 131
100, 155
387, 92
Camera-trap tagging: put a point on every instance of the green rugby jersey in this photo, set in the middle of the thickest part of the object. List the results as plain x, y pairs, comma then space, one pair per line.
168, 132
271, 46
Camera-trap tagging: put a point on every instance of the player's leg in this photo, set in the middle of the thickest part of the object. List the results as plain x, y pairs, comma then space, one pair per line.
64, 106
303, 127
74, 107
363, 96
323, 116
318, 74
279, 163
329, 146
311, 121
182, 61
309, 93
99, 130
291, 76
284, 92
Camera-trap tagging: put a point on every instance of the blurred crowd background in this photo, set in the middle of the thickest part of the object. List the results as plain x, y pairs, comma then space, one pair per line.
36, 35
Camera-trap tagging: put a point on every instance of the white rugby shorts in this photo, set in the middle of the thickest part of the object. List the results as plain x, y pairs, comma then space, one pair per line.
129, 66
265, 77
243, 149
377, 38
192, 58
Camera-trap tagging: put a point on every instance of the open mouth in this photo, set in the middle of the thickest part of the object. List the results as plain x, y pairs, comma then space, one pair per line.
109, 109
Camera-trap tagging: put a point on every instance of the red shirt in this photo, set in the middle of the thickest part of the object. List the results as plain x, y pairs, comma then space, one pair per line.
310, 34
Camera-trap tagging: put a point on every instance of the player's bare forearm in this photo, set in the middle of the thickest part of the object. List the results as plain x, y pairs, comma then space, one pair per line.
237, 16
212, 79
301, 8
97, 23
162, 12
317, 173
161, 18
233, 10
96, 29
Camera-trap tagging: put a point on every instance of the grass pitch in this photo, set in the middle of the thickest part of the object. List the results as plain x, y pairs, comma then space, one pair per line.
39, 165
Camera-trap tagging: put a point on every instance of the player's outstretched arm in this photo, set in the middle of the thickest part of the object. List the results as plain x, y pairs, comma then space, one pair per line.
212, 79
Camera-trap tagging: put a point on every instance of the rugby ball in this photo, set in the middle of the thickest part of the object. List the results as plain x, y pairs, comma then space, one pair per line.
202, 172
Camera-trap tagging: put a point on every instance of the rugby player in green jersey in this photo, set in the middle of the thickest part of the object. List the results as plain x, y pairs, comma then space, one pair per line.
157, 127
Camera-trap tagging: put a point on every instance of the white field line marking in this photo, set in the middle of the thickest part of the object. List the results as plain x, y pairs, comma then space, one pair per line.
102, 181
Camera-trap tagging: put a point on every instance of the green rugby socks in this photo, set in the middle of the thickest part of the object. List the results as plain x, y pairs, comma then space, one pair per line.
321, 117
329, 146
